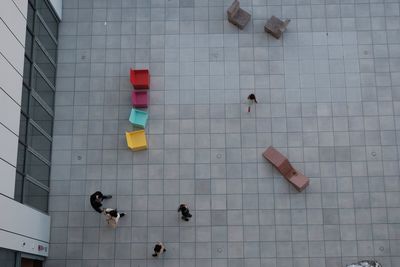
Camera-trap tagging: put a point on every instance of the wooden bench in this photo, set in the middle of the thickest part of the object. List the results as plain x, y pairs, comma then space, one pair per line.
276, 27
282, 164
238, 16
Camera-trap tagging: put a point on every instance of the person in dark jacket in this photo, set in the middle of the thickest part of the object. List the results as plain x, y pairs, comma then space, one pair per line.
159, 249
96, 200
251, 99
184, 209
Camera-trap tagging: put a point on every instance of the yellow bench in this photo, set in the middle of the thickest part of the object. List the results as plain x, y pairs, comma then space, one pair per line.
136, 140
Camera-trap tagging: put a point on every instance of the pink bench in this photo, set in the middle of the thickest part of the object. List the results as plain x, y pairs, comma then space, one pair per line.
139, 98
282, 164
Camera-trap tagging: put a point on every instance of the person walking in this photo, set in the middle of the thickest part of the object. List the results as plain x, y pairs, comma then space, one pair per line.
112, 216
96, 200
184, 209
159, 249
251, 99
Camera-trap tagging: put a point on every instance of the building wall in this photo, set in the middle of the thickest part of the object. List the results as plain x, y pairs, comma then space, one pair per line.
12, 32
22, 225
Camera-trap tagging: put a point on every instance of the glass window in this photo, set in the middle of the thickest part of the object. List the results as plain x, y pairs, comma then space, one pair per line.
21, 157
36, 168
39, 142
7, 258
44, 63
28, 44
23, 120
31, 17
41, 116
19, 182
48, 16
45, 39
35, 196
27, 71
44, 90
25, 99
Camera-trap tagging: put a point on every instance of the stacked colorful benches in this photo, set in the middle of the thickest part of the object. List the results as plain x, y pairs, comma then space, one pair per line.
140, 80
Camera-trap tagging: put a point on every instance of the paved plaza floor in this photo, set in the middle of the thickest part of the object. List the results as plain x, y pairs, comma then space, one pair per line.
329, 99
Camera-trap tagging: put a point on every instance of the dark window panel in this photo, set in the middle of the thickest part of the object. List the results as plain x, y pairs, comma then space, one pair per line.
45, 65
29, 44
48, 16
19, 183
36, 168
25, 99
7, 258
30, 17
39, 142
45, 39
44, 90
21, 158
23, 123
38, 114
27, 71
35, 196
32, 2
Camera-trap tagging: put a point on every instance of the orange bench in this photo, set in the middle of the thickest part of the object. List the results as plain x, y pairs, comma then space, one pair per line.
282, 164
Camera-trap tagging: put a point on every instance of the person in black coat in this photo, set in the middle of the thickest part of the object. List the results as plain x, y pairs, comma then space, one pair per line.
184, 209
96, 200
251, 99
159, 249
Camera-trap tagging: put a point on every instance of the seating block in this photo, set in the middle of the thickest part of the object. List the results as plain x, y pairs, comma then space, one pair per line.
276, 27
138, 118
282, 164
140, 79
139, 98
136, 140
238, 16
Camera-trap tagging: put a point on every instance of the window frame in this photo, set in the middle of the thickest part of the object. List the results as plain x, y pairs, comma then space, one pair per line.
39, 19
38, 12
37, 45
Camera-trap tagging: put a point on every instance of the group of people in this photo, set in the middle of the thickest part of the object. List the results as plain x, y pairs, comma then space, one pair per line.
113, 216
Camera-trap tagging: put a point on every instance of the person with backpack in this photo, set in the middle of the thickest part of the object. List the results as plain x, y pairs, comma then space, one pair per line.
251, 99
184, 209
113, 216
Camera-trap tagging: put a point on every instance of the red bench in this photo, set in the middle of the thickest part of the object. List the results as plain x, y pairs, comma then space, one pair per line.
140, 79
282, 164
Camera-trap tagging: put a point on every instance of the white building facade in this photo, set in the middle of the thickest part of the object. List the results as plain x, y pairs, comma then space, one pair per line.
28, 50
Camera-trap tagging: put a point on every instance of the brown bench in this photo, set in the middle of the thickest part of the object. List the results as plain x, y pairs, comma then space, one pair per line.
282, 164
276, 27
238, 16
